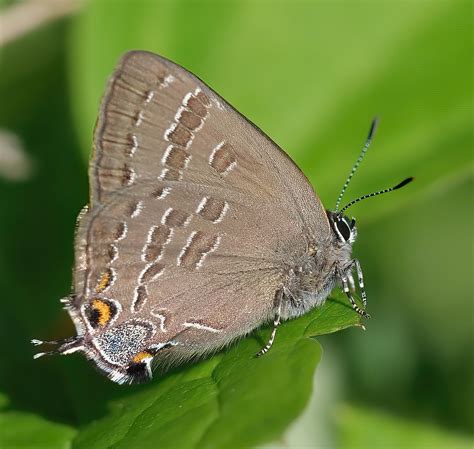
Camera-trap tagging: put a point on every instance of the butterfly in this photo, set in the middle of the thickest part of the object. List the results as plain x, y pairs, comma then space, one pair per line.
198, 230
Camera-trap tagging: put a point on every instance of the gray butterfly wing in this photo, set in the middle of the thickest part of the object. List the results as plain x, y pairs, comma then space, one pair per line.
195, 215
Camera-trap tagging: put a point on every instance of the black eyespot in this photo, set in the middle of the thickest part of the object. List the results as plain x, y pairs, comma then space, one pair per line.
343, 229
99, 312
138, 372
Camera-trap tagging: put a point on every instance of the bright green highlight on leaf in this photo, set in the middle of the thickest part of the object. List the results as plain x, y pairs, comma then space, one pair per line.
366, 428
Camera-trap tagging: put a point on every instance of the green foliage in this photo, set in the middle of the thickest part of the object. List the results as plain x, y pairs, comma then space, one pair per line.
28, 431
362, 427
19, 430
316, 100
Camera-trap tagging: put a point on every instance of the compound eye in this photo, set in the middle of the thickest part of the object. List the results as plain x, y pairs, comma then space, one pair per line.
343, 229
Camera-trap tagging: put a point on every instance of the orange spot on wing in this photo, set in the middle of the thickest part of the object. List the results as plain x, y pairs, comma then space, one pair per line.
141, 356
104, 310
104, 282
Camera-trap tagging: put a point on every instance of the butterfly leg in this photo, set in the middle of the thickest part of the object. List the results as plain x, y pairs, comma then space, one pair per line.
346, 289
360, 277
276, 323
351, 281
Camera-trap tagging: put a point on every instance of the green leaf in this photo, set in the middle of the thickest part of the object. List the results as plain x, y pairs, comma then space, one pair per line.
362, 427
232, 400
336, 315
20, 430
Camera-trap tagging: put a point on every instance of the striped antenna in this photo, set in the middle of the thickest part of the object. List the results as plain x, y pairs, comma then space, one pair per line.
369, 195
372, 130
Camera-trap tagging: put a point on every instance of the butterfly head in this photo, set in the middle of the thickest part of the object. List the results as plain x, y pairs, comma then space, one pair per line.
343, 227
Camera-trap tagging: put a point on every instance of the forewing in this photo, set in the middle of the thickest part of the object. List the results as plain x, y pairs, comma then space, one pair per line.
159, 120
193, 209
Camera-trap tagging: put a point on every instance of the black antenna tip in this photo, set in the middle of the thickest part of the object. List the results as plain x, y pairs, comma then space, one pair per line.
373, 127
404, 183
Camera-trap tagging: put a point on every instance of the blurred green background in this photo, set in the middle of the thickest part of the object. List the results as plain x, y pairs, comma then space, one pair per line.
311, 74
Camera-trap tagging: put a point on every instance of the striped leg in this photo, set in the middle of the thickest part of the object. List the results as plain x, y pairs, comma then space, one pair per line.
360, 276
351, 281
345, 287
276, 323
